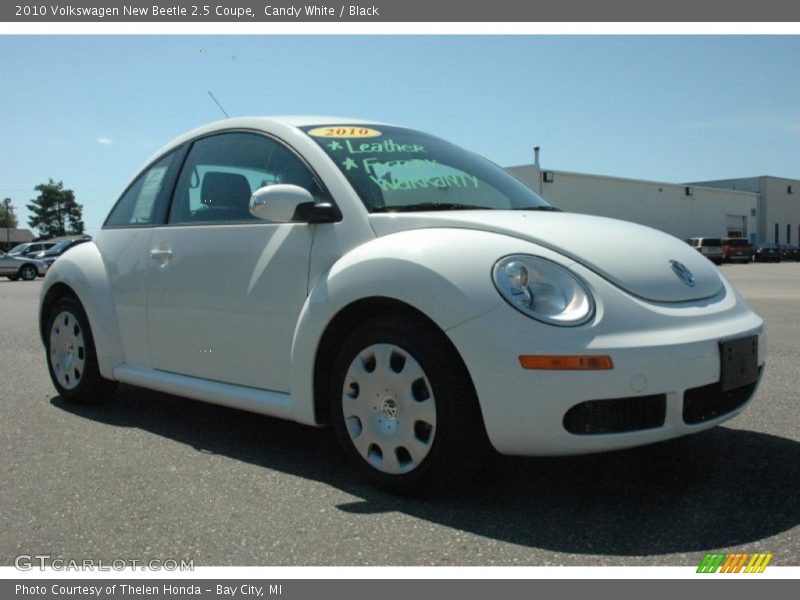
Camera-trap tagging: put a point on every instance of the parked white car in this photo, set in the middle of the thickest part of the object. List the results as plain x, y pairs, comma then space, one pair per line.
413, 294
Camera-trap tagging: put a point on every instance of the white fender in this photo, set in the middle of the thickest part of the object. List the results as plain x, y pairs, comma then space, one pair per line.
444, 273
82, 270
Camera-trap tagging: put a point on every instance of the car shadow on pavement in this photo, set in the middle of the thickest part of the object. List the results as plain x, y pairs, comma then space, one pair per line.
723, 487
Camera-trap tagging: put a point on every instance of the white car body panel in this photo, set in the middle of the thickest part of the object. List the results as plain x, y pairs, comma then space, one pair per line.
123, 255
265, 402
247, 278
629, 255
235, 315
81, 269
656, 349
412, 267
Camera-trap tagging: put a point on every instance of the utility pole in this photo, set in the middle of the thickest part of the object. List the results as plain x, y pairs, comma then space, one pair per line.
7, 203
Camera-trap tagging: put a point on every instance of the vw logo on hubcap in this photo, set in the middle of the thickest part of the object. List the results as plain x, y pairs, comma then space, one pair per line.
683, 272
390, 408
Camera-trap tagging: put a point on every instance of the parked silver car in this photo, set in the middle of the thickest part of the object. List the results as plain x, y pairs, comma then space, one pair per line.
30, 248
21, 267
48, 257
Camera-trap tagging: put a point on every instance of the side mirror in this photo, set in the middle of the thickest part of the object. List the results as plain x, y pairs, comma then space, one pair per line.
284, 203
278, 203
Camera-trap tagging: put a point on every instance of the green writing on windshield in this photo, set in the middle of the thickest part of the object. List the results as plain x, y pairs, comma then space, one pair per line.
414, 174
441, 181
387, 145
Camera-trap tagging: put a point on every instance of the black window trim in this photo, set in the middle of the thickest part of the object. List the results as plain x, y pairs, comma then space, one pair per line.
326, 196
171, 178
162, 208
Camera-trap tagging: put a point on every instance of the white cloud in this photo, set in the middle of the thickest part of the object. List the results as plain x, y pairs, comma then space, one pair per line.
105, 141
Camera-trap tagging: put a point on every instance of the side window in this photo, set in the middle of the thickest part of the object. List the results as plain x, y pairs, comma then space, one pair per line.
137, 204
221, 172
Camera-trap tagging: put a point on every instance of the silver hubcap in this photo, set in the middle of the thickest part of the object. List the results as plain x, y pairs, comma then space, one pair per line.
67, 350
389, 408
28, 273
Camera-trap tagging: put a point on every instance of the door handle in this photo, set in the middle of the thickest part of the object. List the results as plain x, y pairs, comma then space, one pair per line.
156, 254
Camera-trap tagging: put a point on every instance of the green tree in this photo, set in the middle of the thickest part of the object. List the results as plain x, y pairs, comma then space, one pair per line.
7, 217
55, 212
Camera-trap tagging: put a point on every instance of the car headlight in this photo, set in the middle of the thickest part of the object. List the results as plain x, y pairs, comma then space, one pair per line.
543, 290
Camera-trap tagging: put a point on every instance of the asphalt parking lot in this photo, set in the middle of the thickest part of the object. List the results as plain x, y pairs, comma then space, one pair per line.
153, 476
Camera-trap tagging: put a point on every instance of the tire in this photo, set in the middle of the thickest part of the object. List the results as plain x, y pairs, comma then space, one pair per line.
71, 356
403, 406
27, 272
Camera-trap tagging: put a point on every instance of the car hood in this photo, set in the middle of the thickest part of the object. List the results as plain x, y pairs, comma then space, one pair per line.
633, 257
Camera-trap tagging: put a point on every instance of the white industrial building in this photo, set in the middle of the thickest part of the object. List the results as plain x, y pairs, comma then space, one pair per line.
778, 205
762, 209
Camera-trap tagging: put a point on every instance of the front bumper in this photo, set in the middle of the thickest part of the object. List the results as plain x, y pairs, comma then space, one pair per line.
661, 353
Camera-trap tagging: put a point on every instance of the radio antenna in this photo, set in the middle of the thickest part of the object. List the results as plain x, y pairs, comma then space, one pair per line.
218, 104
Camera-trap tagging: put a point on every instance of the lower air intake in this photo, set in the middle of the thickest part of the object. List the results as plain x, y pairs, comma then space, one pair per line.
709, 401
616, 415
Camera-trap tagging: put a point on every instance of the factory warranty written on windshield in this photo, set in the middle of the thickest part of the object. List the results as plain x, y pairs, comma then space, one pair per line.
397, 169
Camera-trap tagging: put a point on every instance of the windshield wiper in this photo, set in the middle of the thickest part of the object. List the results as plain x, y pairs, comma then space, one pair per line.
544, 207
425, 206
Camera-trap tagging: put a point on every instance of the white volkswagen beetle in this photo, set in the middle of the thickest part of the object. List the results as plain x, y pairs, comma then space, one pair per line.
409, 292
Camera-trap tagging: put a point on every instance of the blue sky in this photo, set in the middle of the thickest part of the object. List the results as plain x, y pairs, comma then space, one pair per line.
89, 110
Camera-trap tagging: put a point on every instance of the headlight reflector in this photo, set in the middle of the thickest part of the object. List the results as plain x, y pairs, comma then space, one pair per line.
543, 290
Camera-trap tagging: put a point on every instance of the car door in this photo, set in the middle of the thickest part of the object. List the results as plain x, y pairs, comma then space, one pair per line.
7, 265
224, 288
124, 245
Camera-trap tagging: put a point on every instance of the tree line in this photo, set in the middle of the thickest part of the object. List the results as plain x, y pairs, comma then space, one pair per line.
54, 212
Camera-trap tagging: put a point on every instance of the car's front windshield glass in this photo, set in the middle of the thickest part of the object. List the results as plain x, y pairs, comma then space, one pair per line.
18, 248
395, 169
58, 247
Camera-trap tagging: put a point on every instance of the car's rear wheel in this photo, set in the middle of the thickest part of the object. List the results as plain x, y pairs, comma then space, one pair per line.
403, 406
27, 272
71, 356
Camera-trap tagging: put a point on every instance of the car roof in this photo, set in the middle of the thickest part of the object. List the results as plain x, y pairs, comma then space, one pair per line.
259, 122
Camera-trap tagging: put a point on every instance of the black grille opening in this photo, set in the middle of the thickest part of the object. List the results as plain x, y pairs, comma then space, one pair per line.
709, 401
616, 415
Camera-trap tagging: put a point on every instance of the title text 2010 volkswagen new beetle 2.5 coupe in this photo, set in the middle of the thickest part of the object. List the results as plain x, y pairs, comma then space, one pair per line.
410, 293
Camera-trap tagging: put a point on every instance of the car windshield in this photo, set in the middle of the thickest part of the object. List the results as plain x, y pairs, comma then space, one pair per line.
712, 242
58, 248
395, 169
18, 248
737, 242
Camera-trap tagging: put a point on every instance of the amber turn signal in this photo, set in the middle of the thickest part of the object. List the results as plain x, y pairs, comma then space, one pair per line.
567, 363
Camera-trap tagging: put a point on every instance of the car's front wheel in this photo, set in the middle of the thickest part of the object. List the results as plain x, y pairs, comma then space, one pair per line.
27, 272
71, 356
403, 406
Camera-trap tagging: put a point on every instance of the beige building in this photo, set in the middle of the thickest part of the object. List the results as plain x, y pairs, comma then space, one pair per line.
757, 208
11, 237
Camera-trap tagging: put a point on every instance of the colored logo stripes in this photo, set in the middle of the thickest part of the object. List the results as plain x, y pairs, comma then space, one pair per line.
734, 563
